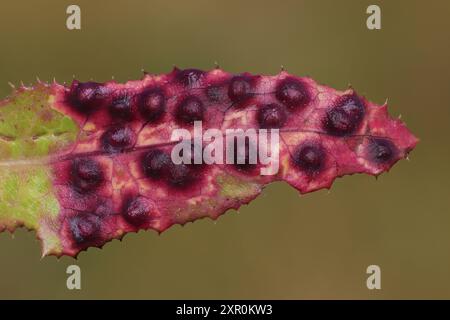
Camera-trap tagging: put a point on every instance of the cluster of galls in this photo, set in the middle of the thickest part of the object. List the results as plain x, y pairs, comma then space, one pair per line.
87, 227
86, 176
158, 166
148, 105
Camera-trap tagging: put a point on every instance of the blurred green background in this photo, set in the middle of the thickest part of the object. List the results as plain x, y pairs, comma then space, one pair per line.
281, 246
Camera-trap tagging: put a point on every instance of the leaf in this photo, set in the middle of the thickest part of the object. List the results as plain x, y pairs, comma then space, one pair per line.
90, 162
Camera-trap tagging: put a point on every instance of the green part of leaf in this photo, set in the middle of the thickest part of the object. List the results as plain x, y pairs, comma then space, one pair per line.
30, 131
24, 196
29, 127
232, 187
